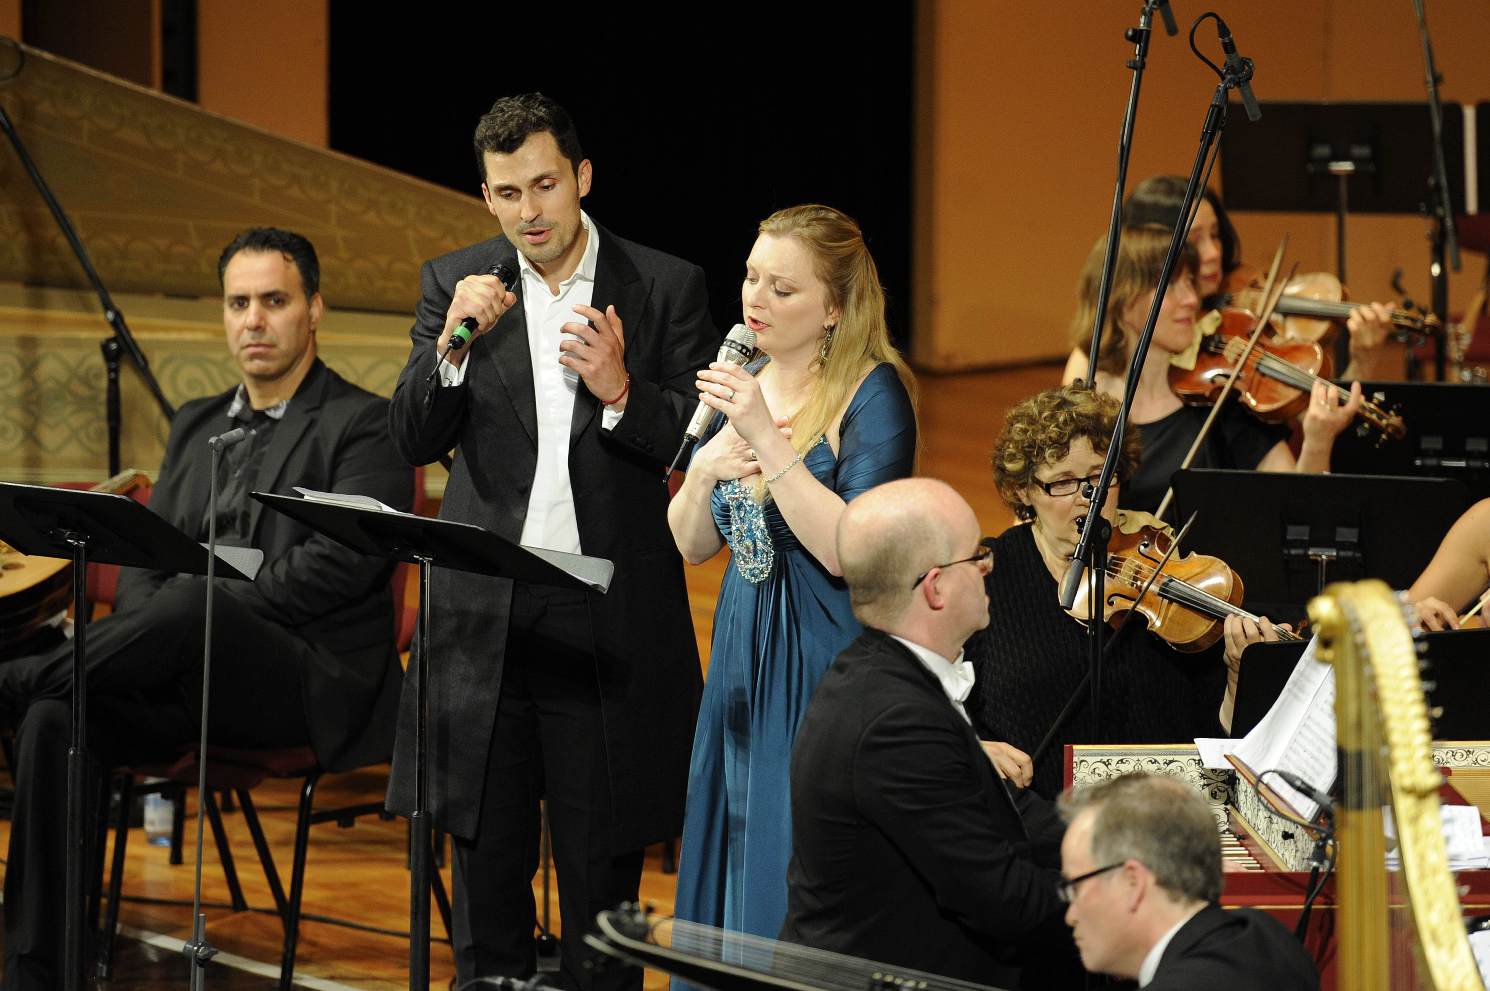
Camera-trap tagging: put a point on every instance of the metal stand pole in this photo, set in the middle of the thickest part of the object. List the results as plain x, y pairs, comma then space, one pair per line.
77, 756
419, 823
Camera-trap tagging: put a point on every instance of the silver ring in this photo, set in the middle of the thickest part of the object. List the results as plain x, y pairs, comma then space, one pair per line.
751, 455
731, 397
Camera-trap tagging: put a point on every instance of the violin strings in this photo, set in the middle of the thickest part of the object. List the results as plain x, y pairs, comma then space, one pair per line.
1180, 591
1290, 374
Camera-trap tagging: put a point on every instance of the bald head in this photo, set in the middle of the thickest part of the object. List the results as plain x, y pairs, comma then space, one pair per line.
894, 532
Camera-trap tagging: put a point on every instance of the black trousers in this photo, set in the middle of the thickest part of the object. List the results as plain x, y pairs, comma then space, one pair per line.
548, 743
144, 701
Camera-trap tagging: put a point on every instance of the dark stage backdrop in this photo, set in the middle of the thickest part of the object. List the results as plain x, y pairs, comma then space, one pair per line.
699, 120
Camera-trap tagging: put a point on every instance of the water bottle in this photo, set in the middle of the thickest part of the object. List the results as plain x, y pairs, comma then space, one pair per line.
160, 815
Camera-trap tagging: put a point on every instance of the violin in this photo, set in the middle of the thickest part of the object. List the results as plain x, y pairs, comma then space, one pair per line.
1312, 304
1185, 597
1277, 379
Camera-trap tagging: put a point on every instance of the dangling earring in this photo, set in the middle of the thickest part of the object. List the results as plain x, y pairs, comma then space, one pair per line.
826, 345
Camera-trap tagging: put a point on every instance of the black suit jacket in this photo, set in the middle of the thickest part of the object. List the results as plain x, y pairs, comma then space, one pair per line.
334, 437
1239, 949
646, 658
907, 846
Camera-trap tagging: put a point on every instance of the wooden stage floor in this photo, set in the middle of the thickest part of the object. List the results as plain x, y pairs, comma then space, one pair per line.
359, 874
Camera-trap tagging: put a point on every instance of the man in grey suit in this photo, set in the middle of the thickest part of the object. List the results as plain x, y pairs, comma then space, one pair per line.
561, 413
303, 655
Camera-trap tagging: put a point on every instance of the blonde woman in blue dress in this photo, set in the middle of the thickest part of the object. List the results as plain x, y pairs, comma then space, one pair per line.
823, 414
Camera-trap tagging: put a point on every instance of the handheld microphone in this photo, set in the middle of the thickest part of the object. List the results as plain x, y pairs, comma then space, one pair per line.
1241, 70
737, 348
461, 336
228, 439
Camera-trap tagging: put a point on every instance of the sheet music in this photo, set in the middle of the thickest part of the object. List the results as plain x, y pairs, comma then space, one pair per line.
1298, 733
1213, 751
247, 560
347, 499
1480, 943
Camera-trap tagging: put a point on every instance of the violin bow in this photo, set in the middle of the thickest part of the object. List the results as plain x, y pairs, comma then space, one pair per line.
1272, 291
1480, 604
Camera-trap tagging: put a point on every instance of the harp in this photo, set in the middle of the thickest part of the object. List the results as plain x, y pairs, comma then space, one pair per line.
1396, 929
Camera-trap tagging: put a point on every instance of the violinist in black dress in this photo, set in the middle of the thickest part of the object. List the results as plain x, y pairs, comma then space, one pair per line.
1033, 655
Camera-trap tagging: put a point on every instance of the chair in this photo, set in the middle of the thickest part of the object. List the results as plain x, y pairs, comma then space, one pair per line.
238, 772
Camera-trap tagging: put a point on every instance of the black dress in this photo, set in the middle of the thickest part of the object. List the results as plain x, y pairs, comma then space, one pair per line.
1032, 657
1237, 440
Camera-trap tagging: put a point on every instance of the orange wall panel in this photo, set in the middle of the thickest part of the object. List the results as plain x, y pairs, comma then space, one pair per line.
1019, 110
265, 63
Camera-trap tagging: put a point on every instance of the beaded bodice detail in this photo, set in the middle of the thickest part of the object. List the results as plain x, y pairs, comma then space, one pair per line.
756, 531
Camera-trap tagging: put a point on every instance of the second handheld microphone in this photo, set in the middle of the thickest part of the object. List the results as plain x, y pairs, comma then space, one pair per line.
461, 336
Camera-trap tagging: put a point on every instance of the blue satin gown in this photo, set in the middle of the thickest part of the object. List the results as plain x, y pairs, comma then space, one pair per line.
775, 634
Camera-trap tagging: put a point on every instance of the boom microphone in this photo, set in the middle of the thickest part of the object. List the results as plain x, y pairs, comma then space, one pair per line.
1241, 69
228, 438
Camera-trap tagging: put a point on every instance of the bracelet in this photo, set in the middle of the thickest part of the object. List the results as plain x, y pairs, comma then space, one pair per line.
790, 465
624, 389
794, 462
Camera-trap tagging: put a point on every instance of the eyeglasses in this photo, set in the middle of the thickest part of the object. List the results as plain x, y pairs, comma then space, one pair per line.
1069, 486
984, 553
1066, 890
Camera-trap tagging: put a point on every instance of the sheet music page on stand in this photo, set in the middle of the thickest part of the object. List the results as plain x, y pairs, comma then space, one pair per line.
1298, 733
349, 499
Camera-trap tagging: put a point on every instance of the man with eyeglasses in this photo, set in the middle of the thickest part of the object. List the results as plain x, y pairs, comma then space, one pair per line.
1141, 872
908, 847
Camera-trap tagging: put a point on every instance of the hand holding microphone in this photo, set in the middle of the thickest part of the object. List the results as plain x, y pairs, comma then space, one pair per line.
737, 349
477, 304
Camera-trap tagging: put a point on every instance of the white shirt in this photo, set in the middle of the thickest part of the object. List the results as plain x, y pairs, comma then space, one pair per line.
1156, 952
955, 676
550, 522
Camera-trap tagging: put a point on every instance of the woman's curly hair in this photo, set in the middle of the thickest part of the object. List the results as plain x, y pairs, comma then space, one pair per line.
1039, 431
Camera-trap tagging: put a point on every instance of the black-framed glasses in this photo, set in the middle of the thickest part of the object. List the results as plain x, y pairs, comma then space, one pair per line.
984, 553
1066, 890
1070, 486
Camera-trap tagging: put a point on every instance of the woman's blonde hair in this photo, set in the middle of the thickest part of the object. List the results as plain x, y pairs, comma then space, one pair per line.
860, 339
1140, 259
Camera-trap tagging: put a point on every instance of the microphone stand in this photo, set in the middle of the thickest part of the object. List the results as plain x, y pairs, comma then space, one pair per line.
1445, 239
197, 949
122, 341
1098, 528
1140, 37
1091, 548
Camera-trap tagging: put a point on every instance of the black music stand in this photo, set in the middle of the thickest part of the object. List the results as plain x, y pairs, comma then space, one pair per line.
1338, 158
1448, 435
1454, 682
1288, 535
106, 529
1265, 669
364, 525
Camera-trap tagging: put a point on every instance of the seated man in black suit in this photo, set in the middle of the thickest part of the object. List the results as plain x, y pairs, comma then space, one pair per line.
302, 655
1142, 867
908, 848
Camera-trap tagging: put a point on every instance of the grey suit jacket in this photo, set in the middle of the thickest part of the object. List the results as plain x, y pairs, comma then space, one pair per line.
334, 437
